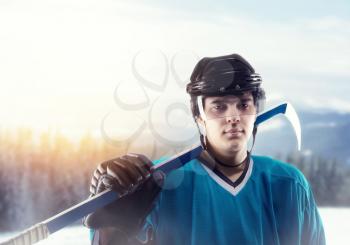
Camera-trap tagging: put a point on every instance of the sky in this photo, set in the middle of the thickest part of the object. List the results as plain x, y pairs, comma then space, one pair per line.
110, 66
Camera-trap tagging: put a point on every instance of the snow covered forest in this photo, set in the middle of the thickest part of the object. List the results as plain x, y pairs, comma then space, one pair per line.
41, 176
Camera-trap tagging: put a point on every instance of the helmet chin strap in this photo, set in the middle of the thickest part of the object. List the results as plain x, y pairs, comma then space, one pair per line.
246, 159
255, 130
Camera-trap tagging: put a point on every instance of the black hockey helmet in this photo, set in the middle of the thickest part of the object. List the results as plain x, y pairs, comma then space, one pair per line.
224, 75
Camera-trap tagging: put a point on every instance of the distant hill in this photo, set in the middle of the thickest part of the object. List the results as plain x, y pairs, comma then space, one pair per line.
326, 134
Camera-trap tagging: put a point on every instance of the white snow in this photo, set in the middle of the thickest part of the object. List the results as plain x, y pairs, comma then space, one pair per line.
334, 221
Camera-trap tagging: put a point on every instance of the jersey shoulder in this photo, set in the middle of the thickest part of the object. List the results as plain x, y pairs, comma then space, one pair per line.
279, 170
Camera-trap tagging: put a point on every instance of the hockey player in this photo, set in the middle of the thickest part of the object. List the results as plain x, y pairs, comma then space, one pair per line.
227, 195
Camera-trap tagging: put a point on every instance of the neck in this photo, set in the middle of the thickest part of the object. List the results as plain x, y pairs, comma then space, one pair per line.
230, 158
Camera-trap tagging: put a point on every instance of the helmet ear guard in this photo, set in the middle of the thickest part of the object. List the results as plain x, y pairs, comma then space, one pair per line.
200, 123
202, 133
200, 106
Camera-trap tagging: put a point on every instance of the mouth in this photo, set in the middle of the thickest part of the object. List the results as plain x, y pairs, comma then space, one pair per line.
234, 133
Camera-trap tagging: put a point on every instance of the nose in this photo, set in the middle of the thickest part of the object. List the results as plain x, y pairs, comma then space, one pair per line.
233, 114
233, 119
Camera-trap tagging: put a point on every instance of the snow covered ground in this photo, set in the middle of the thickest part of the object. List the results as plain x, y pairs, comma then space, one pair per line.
74, 235
335, 222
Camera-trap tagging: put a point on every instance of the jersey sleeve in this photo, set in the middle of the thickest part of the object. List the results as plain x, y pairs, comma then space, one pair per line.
312, 227
147, 233
297, 217
145, 236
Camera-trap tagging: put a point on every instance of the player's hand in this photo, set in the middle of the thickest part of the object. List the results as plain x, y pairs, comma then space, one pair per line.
129, 175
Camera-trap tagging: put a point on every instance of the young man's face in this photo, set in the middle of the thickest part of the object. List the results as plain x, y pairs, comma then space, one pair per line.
229, 122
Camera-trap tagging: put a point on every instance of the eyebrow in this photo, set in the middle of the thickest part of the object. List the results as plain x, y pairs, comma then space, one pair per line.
247, 99
221, 100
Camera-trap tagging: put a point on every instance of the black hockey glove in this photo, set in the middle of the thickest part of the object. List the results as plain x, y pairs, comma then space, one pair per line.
129, 175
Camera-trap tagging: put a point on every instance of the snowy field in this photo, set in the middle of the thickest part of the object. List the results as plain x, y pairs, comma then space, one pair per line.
334, 219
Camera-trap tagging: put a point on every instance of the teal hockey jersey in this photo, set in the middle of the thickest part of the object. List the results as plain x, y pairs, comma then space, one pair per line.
273, 204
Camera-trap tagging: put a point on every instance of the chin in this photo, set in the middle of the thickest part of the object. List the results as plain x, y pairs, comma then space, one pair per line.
235, 145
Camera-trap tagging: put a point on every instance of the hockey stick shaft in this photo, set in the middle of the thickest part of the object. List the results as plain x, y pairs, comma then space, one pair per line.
57, 222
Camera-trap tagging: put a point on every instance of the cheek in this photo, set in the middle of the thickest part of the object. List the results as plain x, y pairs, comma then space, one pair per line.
249, 125
214, 129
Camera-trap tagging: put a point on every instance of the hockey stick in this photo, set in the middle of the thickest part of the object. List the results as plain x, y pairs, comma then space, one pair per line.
42, 230
289, 112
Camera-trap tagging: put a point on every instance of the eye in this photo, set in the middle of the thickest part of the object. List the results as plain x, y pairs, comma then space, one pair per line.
244, 106
219, 107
